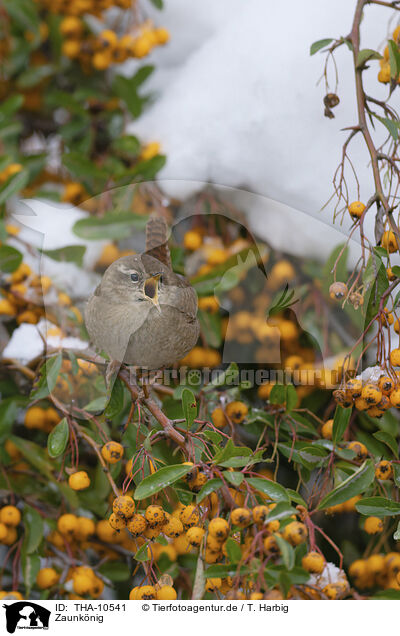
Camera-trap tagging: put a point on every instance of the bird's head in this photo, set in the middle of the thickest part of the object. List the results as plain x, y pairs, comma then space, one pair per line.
133, 278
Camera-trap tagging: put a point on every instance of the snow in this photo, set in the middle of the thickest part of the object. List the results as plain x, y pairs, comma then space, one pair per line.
330, 574
46, 226
26, 342
237, 105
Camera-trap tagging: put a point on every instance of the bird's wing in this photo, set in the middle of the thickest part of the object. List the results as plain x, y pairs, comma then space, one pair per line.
157, 239
188, 296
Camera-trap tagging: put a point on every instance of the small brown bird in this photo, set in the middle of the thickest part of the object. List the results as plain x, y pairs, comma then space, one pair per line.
142, 313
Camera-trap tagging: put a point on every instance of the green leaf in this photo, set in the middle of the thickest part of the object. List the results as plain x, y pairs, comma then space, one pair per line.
67, 254
10, 106
386, 595
34, 75
210, 325
10, 259
355, 484
36, 455
392, 126
13, 185
224, 378
34, 528
223, 571
396, 474
274, 491
233, 477
242, 460
365, 55
160, 480
278, 394
97, 405
378, 506
282, 301
111, 226
30, 568
281, 511
142, 554
389, 440
291, 398
147, 169
115, 571
230, 450
394, 59
287, 552
48, 377
319, 44
396, 270
8, 415
126, 146
233, 550
58, 439
24, 13
159, 5
126, 89
210, 486
116, 402
340, 422
377, 289
189, 407
311, 456
82, 167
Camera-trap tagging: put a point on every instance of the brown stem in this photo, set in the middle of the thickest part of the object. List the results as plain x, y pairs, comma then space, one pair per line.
362, 120
154, 409
96, 449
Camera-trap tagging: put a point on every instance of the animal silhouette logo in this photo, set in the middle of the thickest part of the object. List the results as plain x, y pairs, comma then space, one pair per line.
26, 615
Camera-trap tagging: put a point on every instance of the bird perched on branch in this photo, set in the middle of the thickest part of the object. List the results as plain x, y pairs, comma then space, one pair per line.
142, 313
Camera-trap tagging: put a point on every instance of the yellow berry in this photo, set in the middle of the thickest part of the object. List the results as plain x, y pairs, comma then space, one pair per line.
124, 506
195, 536
10, 515
395, 357
112, 452
155, 516
383, 470
389, 241
166, 593
116, 522
218, 417
218, 528
295, 532
47, 577
79, 480
327, 429
137, 524
313, 562
67, 525
360, 449
189, 516
356, 209
373, 525
241, 517
146, 592
192, 240
236, 411
260, 514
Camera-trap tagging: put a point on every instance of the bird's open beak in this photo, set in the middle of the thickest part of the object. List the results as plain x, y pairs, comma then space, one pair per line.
151, 289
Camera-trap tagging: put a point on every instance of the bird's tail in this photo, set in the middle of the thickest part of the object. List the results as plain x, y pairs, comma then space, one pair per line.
157, 239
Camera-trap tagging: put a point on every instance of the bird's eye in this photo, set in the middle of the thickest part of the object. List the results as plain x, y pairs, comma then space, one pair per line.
135, 277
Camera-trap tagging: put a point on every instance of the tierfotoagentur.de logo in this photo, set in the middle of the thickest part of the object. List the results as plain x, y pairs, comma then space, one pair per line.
26, 615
